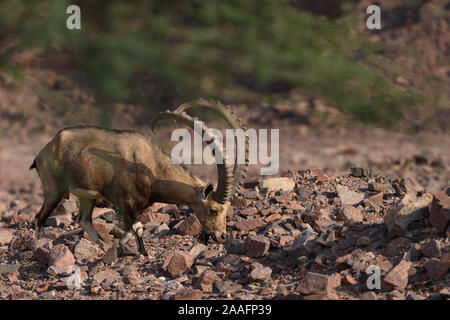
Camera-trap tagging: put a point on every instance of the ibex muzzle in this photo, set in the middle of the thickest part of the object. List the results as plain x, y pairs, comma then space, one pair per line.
131, 171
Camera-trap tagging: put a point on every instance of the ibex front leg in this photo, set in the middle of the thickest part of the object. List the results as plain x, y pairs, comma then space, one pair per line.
132, 228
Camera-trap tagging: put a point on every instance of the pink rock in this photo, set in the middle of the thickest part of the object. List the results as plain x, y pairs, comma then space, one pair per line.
349, 214
440, 211
260, 273
205, 280
61, 257
398, 277
177, 263
249, 211
155, 217
438, 268
41, 250
374, 201
239, 203
6, 235
250, 224
190, 226
318, 284
256, 246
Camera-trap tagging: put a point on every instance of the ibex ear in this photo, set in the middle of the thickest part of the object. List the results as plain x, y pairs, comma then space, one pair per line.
208, 191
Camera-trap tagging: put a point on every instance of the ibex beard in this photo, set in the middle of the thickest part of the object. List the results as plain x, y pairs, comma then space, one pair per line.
130, 171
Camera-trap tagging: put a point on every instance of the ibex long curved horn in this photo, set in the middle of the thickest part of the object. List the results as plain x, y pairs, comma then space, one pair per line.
224, 170
240, 170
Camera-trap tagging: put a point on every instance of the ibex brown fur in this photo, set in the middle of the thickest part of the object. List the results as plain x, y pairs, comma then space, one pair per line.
130, 171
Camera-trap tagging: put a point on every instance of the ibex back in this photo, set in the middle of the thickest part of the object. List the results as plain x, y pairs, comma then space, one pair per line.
130, 171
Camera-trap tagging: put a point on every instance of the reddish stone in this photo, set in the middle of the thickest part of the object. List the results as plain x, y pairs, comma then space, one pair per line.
190, 226
272, 217
295, 205
154, 217
398, 277
318, 284
256, 246
23, 215
322, 178
349, 214
250, 224
189, 294
6, 235
249, 211
438, 268
205, 280
177, 263
374, 201
41, 249
260, 273
377, 187
440, 211
61, 257
239, 202
431, 249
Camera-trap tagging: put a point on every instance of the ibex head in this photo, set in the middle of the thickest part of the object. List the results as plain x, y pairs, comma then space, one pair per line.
212, 205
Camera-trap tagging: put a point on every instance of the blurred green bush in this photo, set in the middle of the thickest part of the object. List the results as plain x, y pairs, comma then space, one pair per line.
236, 50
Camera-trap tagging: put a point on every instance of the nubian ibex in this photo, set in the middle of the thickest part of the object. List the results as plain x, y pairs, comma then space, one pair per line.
132, 172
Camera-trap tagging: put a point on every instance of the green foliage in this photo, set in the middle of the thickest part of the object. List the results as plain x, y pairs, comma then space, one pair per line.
232, 49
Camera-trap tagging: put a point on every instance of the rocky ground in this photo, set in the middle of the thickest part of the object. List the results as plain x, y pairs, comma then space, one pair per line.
307, 235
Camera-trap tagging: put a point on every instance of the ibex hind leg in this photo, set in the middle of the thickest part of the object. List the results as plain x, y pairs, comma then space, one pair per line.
51, 200
86, 208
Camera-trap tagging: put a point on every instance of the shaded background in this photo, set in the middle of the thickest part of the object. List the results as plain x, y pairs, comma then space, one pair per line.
341, 94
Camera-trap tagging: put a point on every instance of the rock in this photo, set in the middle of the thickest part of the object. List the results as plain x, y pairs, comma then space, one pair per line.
41, 249
363, 241
374, 201
190, 226
205, 280
61, 257
369, 295
414, 296
112, 255
275, 184
250, 224
440, 211
177, 263
260, 273
362, 172
24, 215
189, 294
398, 277
85, 250
248, 212
109, 276
9, 268
155, 217
256, 246
318, 284
68, 206
250, 194
222, 287
326, 239
410, 209
6, 235
347, 196
235, 246
239, 203
304, 245
162, 230
397, 247
431, 249
197, 249
377, 187
322, 178
438, 268
404, 186
350, 215
131, 275
59, 221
